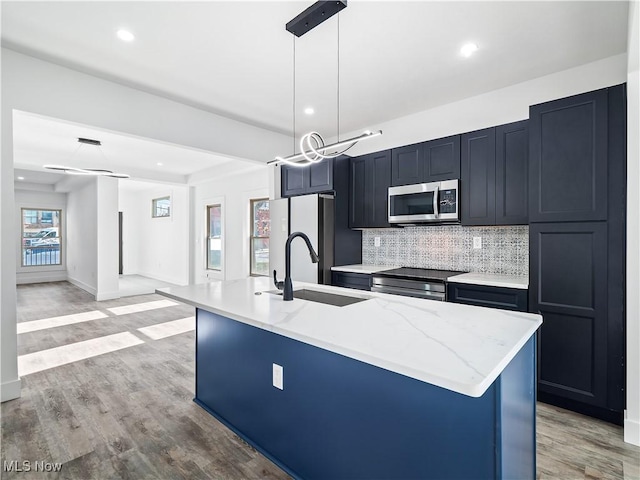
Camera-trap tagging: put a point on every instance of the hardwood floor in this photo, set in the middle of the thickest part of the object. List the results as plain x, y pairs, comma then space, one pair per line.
573, 446
128, 414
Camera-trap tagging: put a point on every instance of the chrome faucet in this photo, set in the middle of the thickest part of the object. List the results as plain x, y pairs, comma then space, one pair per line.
287, 286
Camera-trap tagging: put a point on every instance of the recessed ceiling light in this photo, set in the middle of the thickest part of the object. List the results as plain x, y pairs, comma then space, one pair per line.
159, 164
309, 111
468, 49
20, 178
125, 35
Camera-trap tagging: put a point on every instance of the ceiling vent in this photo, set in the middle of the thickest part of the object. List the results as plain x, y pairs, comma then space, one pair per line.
89, 141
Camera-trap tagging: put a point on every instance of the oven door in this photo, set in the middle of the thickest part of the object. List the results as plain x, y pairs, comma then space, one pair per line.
409, 288
413, 203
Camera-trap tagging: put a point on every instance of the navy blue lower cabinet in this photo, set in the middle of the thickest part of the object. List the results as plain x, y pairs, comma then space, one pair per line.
488, 296
359, 281
340, 418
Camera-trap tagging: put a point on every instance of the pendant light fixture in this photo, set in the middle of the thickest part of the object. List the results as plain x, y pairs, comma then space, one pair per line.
87, 171
312, 145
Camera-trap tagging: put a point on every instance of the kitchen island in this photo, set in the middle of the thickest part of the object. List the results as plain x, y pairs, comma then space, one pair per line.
389, 387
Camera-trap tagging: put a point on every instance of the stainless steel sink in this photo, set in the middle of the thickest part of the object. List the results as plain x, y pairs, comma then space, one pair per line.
322, 297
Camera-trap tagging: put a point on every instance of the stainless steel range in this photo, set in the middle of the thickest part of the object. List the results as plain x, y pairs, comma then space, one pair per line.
413, 282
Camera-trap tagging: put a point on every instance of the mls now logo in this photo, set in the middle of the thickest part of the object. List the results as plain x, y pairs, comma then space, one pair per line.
27, 466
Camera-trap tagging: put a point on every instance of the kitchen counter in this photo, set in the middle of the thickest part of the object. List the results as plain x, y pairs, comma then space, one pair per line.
361, 268
457, 347
389, 387
493, 280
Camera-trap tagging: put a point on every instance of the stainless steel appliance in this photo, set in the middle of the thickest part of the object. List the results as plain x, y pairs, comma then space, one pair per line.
312, 215
424, 203
413, 282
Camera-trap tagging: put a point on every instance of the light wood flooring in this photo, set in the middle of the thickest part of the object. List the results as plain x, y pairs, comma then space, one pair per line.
128, 414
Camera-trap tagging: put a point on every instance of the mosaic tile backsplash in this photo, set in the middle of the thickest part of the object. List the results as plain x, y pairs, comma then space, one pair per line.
505, 250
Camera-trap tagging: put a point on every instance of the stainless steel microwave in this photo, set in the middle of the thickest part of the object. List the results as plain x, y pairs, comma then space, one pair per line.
425, 203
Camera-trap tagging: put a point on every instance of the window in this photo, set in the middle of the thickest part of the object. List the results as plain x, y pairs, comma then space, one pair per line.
214, 237
260, 230
161, 207
41, 237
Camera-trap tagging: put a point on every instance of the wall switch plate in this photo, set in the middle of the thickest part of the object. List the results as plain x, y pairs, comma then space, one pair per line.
278, 376
376, 241
477, 242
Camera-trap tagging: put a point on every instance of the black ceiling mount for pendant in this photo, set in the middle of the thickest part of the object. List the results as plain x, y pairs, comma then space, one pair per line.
89, 141
314, 16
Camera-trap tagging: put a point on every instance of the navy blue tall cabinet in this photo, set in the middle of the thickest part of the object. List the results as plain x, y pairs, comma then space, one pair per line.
577, 242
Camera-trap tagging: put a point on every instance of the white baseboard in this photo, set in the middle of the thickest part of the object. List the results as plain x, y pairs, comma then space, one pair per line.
163, 278
632, 432
100, 296
82, 285
23, 278
10, 390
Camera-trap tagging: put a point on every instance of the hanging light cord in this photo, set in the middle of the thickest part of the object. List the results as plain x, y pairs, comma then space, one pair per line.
338, 83
294, 94
312, 146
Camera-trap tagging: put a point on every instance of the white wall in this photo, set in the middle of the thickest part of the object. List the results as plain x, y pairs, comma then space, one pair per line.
632, 420
132, 213
44, 88
40, 87
107, 284
156, 247
234, 193
28, 198
9, 380
92, 237
82, 236
501, 106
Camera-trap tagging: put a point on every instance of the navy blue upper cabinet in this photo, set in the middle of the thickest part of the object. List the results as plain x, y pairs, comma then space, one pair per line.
442, 159
369, 180
478, 177
512, 168
358, 192
407, 165
425, 162
568, 159
316, 178
293, 181
494, 175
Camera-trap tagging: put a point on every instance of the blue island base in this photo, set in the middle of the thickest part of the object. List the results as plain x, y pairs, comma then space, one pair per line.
339, 418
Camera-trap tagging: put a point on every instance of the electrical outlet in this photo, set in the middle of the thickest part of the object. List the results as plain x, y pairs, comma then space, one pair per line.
376, 241
278, 376
477, 242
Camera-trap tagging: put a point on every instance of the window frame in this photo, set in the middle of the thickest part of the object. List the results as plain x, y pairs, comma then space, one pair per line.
59, 237
154, 207
252, 201
209, 237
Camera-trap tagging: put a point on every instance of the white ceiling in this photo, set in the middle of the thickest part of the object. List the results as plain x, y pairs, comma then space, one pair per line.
40, 140
235, 58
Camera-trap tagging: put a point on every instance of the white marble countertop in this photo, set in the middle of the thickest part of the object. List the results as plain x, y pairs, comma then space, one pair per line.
494, 280
361, 268
458, 347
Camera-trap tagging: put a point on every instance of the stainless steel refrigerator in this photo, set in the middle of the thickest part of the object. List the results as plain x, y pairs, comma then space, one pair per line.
312, 215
